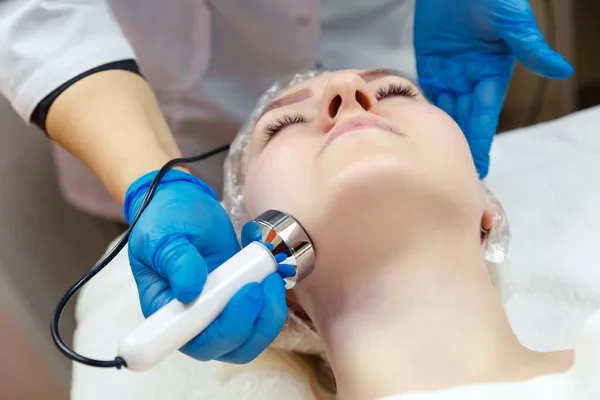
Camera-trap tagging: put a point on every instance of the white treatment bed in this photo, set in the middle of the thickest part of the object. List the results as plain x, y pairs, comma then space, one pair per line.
548, 179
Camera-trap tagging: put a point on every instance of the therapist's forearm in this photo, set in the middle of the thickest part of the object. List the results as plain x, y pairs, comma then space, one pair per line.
111, 121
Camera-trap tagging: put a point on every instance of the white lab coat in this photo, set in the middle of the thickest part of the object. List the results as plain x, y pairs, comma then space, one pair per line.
207, 60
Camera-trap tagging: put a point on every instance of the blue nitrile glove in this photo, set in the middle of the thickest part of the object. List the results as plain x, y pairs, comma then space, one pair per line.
466, 52
252, 233
183, 235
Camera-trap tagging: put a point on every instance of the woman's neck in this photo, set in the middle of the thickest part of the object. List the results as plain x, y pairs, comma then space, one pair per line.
411, 322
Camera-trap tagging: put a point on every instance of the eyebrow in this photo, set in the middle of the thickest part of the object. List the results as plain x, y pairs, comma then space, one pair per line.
306, 93
373, 74
287, 100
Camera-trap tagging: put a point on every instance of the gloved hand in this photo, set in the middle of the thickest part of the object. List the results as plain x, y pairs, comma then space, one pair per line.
184, 234
466, 51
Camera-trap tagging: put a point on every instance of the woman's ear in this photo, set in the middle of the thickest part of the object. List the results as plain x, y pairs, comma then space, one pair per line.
495, 230
487, 220
488, 217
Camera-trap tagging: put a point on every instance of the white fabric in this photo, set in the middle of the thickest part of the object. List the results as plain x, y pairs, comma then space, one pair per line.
547, 178
207, 60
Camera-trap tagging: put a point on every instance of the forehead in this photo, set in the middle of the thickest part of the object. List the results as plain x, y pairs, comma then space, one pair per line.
304, 89
321, 80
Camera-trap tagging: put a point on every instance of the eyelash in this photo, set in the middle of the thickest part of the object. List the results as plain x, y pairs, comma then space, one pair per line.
393, 89
272, 128
396, 89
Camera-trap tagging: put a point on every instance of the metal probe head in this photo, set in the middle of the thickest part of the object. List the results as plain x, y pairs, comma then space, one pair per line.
283, 235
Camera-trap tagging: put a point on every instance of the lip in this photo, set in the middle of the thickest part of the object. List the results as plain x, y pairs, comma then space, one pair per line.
357, 123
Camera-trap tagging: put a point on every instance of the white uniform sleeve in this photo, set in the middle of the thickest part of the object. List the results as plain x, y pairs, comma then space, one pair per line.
45, 43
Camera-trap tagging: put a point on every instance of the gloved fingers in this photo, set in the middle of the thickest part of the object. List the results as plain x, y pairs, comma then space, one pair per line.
250, 233
446, 102
153, 290
180, 262
450, 75
487, 101
455, 73
486, 66
267, 326
286, 270
232, 327
530, 47
463, 111
429, 69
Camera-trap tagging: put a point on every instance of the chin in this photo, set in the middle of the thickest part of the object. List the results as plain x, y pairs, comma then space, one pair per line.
387, 191
352, 171
364, 192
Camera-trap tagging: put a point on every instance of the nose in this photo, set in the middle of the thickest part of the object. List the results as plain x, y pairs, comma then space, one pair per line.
345, 95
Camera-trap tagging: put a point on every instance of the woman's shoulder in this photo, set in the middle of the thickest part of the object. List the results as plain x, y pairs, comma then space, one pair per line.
581, 381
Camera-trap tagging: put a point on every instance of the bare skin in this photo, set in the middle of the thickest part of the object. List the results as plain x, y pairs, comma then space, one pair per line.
406, 331
112, 123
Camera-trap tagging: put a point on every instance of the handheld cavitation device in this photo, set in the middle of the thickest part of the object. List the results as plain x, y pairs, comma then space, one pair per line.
165, 331
270, 237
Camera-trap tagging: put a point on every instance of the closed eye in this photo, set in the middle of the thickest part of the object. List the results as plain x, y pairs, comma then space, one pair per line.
397, 89
393, 89
273, 128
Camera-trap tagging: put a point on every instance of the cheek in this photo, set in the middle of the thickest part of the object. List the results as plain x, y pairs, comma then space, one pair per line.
278, 178
442, 156
437, 137
444, 130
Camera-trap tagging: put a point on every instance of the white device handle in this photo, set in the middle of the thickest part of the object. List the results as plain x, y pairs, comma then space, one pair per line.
175, 324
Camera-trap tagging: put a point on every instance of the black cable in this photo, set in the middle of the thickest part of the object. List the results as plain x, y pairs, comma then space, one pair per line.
537, 104
118, 362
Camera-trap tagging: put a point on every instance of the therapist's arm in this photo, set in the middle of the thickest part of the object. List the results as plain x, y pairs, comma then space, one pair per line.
108, 119
111, 121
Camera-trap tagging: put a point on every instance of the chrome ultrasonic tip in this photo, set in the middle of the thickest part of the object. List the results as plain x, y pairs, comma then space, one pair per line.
283, 235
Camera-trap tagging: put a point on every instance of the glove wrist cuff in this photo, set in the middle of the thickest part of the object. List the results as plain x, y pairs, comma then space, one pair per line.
138, 189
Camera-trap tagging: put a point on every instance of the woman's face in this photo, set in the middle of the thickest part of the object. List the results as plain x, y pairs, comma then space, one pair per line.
359, 143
